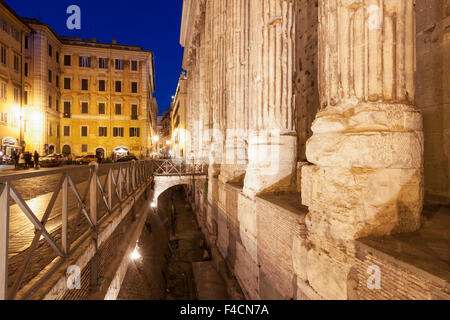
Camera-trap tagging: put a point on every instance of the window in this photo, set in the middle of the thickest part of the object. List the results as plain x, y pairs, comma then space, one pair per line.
134, 112
118, 109
134, 87
57, 81
50, 50
101, 85
134, 66
50, 76
84, 62
102, 131
118, 86
58, 128
119, 64
84, 84
50, 130
57, 105
84, 148
5, 26
118, 132
84, 107
26, 70
27, 42
25, 97
16, 63
15, 33
67, 109
66, 131
101, 108
135, 132
103, 63
4, 91
3, 55
67, 83
57, 57
67, 60
50, 102
84, 131
16, 95
4, 117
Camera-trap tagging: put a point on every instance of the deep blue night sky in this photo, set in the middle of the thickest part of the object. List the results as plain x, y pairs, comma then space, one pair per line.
152, 24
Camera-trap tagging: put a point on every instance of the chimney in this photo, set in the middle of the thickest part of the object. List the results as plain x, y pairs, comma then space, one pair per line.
114, 41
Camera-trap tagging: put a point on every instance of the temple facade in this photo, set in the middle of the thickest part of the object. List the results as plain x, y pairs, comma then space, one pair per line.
326, 128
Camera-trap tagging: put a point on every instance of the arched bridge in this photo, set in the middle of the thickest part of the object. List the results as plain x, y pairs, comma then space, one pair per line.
168, 173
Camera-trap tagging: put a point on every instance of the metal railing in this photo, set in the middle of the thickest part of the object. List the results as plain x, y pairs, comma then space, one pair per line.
168, 167
122, 181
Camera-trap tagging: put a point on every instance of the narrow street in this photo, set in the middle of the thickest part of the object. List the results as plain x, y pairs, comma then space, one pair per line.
173, 266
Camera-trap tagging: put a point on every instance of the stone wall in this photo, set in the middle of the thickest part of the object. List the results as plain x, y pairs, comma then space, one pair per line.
433, 93
306, 60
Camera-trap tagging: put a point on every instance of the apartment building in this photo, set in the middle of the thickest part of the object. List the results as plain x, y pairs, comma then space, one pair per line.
13, 32
73, 96
178, 121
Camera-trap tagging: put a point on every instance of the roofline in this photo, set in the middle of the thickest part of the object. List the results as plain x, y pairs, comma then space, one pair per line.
14, 13
103, 45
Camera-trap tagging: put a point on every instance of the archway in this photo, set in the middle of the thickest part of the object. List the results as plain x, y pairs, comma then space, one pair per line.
66, 150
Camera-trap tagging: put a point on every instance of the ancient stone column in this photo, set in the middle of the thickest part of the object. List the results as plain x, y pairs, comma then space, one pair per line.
272, 138
367, 143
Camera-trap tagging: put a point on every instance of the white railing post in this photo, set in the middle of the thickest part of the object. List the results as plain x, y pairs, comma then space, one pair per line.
120, 183
133, 175
93, 194
94, 264
110, 188
65, 214
4, 236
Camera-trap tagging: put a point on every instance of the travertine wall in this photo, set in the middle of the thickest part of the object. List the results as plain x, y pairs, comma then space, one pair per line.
433, 93
306, 79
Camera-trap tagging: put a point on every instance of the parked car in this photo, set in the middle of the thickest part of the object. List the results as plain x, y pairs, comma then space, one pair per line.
52, 160
86, 159
127, 158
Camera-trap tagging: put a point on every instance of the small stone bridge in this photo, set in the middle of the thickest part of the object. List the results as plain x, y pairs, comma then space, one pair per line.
168, 173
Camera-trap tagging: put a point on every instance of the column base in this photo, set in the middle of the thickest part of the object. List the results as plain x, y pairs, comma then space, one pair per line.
348, 204
272, 162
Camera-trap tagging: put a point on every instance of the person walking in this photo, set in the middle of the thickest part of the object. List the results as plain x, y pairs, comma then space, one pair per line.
28, 160
36, 159
22, 161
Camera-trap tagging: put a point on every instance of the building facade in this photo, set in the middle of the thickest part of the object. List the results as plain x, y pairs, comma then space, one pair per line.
308, 114
75, 96
13, 32
179, 136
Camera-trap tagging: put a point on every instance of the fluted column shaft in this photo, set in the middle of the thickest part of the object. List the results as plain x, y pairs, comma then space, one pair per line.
272, 137
367, 145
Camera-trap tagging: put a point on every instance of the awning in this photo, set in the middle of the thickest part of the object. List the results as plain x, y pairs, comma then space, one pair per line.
11, 146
